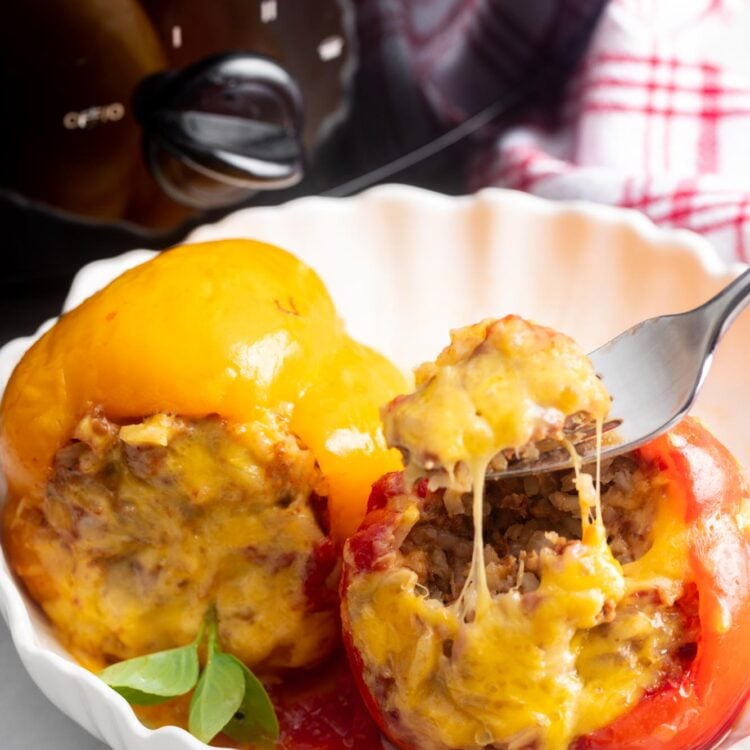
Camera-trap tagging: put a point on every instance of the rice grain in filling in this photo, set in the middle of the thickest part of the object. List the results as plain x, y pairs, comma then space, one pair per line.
522, 517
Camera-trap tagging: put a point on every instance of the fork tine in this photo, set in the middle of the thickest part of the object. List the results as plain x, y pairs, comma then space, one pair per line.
582, 438
587, 431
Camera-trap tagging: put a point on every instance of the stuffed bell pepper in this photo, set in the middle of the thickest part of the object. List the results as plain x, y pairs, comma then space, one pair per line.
601, 607
178, 443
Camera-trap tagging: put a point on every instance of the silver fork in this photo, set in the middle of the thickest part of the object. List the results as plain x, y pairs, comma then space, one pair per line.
653, 371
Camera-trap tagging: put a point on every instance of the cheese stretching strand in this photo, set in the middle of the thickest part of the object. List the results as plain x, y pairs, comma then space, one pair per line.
500, 386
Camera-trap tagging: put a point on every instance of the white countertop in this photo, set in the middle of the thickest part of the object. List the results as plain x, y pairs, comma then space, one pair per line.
28, 721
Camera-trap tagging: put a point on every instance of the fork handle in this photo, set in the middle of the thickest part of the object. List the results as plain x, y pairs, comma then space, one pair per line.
724, 308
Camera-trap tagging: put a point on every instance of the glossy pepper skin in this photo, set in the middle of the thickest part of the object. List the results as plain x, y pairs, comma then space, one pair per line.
214, 328
694, 711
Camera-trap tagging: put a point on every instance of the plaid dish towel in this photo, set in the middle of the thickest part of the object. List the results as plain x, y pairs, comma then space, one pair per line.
657, 118
429, 67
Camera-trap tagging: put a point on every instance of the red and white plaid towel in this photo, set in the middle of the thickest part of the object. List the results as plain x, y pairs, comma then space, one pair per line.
656, 118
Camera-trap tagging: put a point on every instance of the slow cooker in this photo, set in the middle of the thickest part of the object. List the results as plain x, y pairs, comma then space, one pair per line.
127, 122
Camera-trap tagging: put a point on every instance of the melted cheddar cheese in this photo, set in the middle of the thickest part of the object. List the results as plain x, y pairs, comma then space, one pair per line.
143, 527
513, 670
500, 385
532, 668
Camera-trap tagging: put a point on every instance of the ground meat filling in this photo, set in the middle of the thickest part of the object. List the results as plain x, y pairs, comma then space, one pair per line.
145, 524
522, 516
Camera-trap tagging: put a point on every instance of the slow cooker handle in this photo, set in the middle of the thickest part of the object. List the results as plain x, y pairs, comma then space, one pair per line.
222, 129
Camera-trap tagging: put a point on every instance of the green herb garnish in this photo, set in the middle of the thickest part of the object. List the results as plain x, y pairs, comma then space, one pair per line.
228, 696
255, 720
152, 679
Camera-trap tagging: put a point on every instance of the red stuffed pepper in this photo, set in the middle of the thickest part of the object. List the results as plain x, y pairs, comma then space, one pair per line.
615, 622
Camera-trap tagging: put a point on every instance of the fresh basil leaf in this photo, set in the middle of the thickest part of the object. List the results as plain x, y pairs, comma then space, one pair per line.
137, 698
155, 677
218, 696
255, 720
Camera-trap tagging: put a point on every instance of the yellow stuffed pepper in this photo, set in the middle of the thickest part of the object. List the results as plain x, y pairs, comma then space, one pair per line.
202, 432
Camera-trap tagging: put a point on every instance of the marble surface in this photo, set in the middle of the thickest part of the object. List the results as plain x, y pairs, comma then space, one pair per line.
28, 721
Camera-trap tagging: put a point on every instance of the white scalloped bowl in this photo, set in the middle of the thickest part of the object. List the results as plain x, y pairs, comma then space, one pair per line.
404, 266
